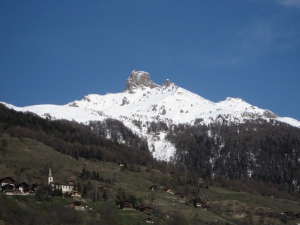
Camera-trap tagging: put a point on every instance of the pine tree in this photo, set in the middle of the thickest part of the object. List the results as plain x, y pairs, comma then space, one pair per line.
104, 196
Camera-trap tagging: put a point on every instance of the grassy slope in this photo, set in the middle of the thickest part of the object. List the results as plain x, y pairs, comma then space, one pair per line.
28, 160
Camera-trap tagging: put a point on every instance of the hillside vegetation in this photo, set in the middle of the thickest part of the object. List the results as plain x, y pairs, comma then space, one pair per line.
31, 145
260, 150
28, 160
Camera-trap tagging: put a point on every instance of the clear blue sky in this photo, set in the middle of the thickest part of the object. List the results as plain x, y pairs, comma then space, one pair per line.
55, 52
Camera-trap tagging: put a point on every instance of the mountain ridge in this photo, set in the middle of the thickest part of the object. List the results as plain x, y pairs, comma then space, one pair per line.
143, 102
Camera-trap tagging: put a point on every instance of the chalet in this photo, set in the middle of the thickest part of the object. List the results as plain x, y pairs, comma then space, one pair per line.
169, 190
148, 220
65, 188
7, 180
145, 209
23, 187
121, 164
74, 193
178, 194
31, 191
140, 207
153, 188
197, 202
126, 205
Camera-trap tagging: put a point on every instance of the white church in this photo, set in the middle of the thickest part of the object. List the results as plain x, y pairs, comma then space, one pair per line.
65, 188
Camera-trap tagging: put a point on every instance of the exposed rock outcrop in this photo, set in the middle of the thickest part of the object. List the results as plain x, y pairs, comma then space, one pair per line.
139, 80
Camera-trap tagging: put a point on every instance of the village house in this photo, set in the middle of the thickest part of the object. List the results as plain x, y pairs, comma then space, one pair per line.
144, 209
126, 205
31, 191
197, 202
23, 187
148, 220
153, 188
9, 186
7, 181
169, 190
74, 193
178, 194
121, 164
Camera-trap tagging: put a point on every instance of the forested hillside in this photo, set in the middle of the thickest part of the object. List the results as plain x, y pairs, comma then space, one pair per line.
268, 152
255, 156
78, 140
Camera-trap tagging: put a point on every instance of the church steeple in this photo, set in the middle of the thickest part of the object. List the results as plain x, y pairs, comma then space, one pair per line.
50, 178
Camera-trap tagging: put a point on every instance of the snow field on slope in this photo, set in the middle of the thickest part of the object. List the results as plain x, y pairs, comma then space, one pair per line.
181, 106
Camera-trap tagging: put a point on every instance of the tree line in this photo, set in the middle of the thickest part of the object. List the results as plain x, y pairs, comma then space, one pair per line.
78, 140
263, 151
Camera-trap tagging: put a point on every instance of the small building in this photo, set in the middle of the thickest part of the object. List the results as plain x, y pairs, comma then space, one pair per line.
148, 220
199, 203
31, 191
126, 205
147, 210
74, 193
144, 209
169, 190
23, 187
153, 188
178, 194
7, 180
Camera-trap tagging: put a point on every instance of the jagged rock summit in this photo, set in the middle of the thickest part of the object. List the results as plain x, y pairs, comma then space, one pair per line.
142, 80
139, 80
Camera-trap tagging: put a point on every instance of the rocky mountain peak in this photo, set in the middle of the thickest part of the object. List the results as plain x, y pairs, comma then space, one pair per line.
139, 79
169, 83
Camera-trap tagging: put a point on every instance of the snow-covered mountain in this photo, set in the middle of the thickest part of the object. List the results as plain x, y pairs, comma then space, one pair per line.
144, 102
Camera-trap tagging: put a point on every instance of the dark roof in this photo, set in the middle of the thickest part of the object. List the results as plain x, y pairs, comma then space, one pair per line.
7, 179
23, 184
71, 182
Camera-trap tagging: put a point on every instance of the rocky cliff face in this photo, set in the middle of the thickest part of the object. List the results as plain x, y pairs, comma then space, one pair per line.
139, 79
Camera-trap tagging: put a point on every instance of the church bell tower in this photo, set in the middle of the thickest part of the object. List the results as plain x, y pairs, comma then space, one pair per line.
50, 178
